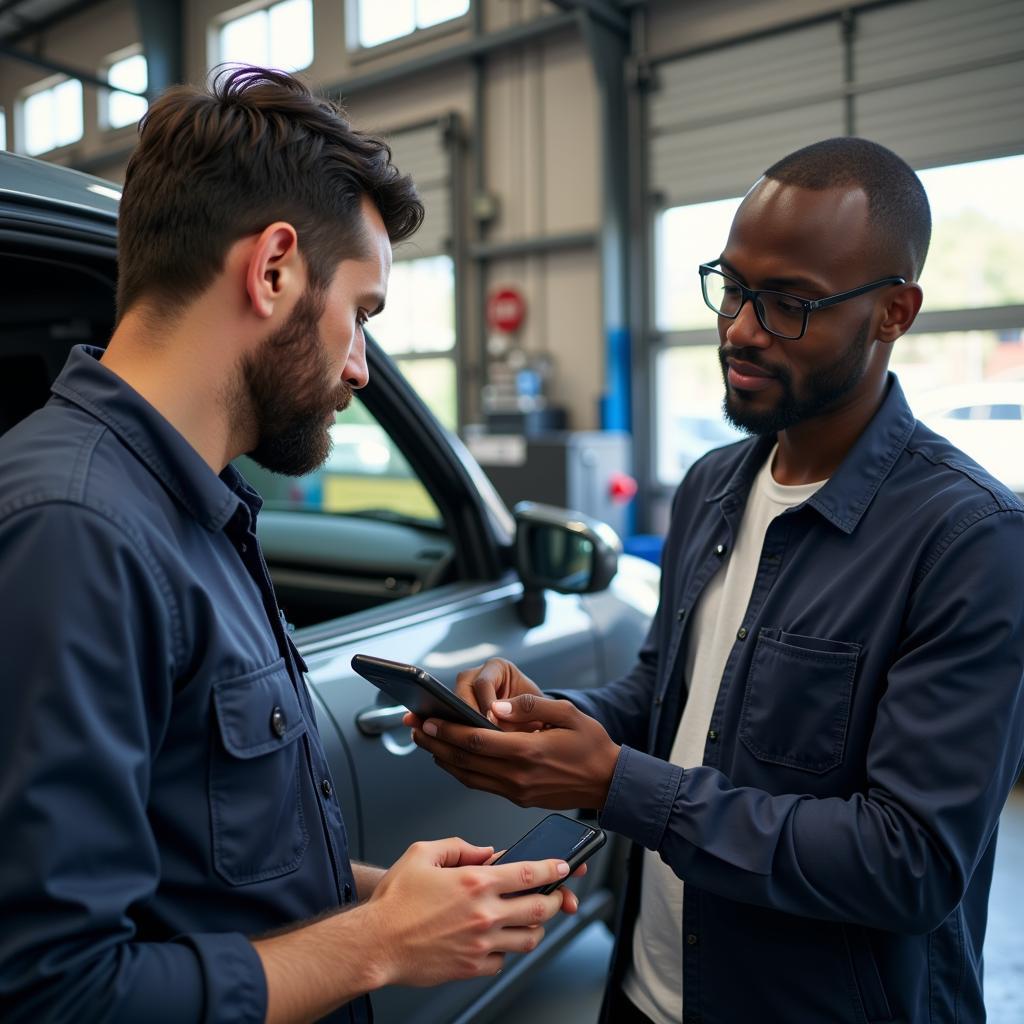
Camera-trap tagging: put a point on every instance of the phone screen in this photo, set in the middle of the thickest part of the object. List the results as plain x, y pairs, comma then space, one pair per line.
556, 836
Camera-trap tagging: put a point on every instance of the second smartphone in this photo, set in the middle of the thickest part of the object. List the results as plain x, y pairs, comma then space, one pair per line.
557, 836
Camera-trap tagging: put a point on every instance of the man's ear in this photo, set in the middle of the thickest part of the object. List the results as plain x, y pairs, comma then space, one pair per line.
900, 312
274, 269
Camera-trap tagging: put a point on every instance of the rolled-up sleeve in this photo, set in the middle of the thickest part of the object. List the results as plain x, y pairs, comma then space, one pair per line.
87, 647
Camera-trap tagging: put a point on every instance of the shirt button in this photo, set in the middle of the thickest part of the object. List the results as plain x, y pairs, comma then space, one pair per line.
713, 735
681, 614
278, 723
244, 547
720, 550
691, 940
326, 788
741, 634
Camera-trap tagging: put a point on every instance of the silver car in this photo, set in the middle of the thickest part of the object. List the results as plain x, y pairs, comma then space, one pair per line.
399, 548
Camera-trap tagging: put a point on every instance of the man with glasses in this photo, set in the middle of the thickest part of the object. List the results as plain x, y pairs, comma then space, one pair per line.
813, 749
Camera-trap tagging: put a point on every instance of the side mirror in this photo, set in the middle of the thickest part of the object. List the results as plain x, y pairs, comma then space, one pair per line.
564, 551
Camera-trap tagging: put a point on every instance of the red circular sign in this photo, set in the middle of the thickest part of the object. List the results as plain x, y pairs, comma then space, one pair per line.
506, 309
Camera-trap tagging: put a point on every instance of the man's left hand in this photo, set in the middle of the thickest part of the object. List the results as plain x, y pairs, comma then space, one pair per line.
567, 763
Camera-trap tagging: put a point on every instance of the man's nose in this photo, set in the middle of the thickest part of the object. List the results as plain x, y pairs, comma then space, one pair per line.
746, 330
356, 373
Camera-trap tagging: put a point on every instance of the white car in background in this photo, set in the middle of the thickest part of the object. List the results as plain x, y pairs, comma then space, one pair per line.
985, 420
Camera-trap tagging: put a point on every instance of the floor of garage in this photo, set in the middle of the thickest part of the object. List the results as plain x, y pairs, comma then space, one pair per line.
569, 990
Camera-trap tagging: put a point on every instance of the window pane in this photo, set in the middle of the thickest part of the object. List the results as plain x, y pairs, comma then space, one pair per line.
687, 236
690, 421
434, 381
382, 20
956, 381
68, 112
433, 12
130, 73
419, 315
976, 256
365, 474
38, 114
244, 40
291, 35
3, 128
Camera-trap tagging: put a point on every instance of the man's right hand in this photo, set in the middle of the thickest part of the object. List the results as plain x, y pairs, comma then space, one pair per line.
496, 679
439, 913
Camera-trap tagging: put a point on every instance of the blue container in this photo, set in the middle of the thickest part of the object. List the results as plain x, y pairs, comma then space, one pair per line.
645, 545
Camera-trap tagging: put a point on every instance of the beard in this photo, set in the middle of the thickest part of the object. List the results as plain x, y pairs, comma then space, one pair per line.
823, 389
284, 394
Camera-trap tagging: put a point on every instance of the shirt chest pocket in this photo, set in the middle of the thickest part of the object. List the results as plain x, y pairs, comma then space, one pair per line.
797, 702
259, 830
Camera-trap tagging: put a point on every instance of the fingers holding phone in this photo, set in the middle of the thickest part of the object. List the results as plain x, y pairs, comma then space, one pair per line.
496, 679
439, 913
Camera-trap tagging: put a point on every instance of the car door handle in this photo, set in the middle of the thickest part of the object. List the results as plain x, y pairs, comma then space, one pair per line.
377, 720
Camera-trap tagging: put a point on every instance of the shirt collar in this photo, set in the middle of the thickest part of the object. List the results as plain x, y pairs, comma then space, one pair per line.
848, 493
212, 500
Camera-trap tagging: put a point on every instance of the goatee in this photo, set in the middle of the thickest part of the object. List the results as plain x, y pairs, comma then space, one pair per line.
823, 389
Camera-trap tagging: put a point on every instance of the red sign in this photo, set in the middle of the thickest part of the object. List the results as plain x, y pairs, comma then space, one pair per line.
506, 309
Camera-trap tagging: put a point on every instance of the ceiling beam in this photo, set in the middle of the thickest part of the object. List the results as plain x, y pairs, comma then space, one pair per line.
31, 28
58, 67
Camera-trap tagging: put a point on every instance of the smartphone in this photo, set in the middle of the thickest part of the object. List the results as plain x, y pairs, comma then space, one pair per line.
419, 691
557, 836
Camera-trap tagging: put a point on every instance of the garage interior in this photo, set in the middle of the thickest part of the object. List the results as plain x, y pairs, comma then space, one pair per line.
577, 160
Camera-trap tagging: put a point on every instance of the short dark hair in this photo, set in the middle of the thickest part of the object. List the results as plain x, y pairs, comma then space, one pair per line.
214, 165
897, 202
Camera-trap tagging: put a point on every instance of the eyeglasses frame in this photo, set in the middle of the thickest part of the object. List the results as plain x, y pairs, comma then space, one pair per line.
807, 305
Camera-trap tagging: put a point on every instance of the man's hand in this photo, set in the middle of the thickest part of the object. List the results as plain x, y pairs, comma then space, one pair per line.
439, 913
566, 760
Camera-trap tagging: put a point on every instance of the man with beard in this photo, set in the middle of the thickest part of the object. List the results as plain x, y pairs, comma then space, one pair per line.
173, 847
812, 751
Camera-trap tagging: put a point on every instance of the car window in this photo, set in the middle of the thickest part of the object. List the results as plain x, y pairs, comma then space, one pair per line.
1004, 411
364, 475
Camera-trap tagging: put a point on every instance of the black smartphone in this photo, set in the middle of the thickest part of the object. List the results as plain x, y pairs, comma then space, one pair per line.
558, 836
419, 691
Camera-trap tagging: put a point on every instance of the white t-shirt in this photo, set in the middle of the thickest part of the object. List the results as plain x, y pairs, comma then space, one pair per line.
654, 982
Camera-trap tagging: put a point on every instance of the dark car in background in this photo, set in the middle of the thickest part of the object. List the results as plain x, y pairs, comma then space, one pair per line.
399, 547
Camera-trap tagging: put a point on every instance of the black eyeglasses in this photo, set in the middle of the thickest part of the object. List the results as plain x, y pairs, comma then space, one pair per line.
778, 313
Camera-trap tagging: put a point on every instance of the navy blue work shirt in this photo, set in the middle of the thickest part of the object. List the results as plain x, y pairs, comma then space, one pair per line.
163, 790
837, 841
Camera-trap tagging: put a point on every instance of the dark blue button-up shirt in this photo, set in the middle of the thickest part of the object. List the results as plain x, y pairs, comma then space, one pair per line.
161, 776
837, 841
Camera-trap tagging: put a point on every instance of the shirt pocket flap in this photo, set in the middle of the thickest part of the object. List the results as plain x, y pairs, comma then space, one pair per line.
259, 712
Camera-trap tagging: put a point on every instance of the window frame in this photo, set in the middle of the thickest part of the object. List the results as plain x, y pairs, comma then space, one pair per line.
104, 96
357, 52
450, 354
216, 25
47, 84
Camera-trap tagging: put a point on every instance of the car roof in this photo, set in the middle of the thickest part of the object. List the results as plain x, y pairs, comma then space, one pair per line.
989, 392
41, 184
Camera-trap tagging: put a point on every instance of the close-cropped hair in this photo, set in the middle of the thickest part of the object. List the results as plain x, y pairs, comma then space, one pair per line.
217, 164
897, 202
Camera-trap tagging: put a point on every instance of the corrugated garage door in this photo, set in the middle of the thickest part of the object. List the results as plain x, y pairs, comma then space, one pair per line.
938, 81
424, 152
